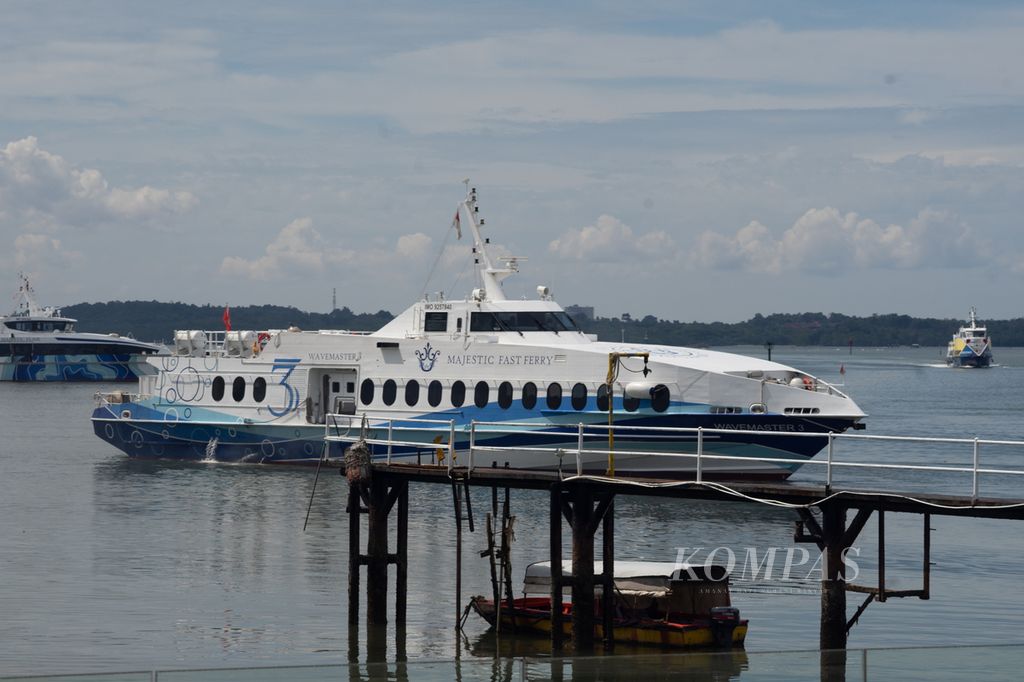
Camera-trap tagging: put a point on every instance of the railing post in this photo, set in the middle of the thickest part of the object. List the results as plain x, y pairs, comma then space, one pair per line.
700, 452
391, 423
579, 451
472, 442
828, 467
451, 445
974, 474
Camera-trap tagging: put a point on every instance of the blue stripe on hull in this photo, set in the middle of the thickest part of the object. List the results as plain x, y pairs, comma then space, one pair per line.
74, 368
303, 444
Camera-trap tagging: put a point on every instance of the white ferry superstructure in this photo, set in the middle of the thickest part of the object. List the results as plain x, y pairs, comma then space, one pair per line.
264, 397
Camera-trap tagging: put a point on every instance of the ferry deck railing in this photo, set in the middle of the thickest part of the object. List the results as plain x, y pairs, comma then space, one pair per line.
445, 432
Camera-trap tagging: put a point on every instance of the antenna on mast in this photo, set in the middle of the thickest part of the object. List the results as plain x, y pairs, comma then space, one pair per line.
489, 274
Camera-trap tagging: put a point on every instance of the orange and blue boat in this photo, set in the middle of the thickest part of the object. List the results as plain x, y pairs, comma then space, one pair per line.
664, 604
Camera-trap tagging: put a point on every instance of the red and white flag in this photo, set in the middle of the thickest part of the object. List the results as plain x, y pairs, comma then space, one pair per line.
457, 224
227, 319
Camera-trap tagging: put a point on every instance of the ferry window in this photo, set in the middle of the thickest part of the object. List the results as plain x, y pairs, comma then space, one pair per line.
602, 397
412, 392
238, 389
388, 392
505, 395
434, 393
554, 396
217, 390
336, 387
659, 398
350, 387
521, 321
529, 395
458, 394
259, 389
579, 396
366, 391
630, 403
458, 324
481, 394
435, 322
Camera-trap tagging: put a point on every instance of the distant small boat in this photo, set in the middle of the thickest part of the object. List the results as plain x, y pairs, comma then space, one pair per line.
971, 346
656, 603
40, 344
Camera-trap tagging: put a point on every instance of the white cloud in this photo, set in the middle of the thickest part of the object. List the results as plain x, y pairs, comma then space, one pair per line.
33, 249
44, 192
609, 240
915, 116
827, 242
299, 249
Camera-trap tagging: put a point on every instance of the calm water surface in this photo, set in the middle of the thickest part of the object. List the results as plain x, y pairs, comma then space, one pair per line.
111, 564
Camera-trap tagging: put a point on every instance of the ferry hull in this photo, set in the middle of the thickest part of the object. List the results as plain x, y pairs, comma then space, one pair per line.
642, 453
970, 360
74, 368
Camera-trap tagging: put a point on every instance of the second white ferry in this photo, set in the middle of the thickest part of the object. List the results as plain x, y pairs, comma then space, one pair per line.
40, 344
440, 366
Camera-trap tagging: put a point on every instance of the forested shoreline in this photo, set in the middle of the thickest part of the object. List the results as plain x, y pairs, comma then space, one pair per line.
156, 321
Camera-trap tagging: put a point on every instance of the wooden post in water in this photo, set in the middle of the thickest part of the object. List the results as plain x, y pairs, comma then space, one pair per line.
833, 593
402, 563
555, 521
354, 510
608, 583
377, 554
582, 569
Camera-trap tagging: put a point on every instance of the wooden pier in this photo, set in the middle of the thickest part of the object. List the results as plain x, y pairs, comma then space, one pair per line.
586, 504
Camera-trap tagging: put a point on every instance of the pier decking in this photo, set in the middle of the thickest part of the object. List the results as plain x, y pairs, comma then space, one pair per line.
586, 503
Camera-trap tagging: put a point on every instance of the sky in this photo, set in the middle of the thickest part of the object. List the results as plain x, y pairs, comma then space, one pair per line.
696, 161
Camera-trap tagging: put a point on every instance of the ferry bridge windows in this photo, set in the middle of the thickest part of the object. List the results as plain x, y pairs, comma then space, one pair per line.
366, 391
529, 395
602, 397
434, 393
660, 398
412, 392
505, 395
458, 394
217, 390
388, 392
259, 389
481, 394
579, 396
554, 396
435, 322
238, 389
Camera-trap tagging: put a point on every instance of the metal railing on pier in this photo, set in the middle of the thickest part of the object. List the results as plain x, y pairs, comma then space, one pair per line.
463, 446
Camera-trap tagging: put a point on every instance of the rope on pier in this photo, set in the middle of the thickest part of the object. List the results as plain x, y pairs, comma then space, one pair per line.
787, 505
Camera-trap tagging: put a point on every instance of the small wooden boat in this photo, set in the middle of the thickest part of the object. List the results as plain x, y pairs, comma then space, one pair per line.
656, 603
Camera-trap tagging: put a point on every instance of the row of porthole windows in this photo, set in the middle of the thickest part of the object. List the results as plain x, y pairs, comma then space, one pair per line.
482, 395
259, 389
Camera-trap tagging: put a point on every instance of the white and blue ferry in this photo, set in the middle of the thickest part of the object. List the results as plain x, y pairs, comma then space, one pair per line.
440, 366
40, 344
971, 346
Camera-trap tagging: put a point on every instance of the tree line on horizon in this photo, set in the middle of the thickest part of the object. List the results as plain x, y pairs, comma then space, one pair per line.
156, 321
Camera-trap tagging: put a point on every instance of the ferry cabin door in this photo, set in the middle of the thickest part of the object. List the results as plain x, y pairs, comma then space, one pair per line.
335, 393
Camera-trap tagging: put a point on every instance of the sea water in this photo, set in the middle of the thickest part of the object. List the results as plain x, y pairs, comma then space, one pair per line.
112, 564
